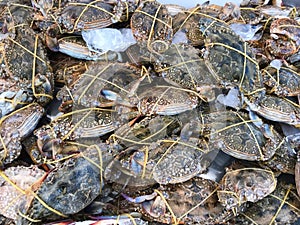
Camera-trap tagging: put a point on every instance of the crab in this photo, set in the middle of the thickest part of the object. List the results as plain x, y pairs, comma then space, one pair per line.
251, 15
25, 73
68, 188
181, 65
157, 97
192, 202
76, 16
97, 76
229, 57
15, 185
237, 135
67, 71
148, 97
164, 164
77, 125
287, 27
245, 185
160, 158
280, 207
283, 81
283, 41
151, 25
276, 109
188, 22
284, 159
15, 127
280, 47
148, 129
227, 62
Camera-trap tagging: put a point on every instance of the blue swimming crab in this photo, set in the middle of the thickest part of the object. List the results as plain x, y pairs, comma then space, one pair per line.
15, 127
67, 189
25, 73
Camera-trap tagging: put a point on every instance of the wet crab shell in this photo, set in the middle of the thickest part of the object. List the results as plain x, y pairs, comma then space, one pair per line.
233, 133
11, 198
149, 129
151, 25
280, 207
161, 98
181, 64
192, 202
187, 21
67, 189
77, 16
280, 47
284, 159
25, 65
196, 202
247, 184
179, 163
87, 89
77, 125
288, 27
283, 82
251, 15
15, 127
19, 82
276, 109
229, 57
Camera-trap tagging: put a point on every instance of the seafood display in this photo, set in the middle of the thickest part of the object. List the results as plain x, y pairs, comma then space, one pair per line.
191, 117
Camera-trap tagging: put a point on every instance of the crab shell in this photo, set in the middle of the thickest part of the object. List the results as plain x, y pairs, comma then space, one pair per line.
245, 185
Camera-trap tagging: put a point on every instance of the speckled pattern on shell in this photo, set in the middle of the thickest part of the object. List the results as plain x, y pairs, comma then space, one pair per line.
243, 185
69, 188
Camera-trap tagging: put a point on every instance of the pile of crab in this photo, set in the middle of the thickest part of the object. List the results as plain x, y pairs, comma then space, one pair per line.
191, 116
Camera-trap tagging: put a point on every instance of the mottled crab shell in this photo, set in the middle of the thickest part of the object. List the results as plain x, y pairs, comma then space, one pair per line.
288, 27
67, 189
187, 21
151, 25
87, 89
280, 207
24, 61
195, 202
181, 64
180, 164
77, 16
276, 109
192, 202
81, 123
284, 159
159, 97
235, 134
245, 185
21, 178
15, 127
229, 57
283, 82
251, 15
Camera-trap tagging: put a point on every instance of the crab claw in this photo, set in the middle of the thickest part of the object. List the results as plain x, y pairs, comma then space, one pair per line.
156, 208
140, 199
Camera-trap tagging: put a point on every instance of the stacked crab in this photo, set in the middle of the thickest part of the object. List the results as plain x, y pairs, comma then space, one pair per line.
194, 121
